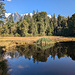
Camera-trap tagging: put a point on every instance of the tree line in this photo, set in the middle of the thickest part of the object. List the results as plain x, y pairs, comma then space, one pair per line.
38, 25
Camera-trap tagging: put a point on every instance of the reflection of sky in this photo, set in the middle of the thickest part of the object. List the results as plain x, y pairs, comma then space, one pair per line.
22, 66
8, 56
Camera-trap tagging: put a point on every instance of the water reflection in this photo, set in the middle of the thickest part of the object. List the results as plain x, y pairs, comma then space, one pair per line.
19, 60
3, 63
40, 54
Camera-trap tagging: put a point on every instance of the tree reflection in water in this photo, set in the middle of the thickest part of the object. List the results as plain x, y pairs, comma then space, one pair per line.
40, 55
3, 63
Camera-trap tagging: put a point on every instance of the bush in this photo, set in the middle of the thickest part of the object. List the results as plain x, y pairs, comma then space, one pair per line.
38, 35
29, 35
50, 34
44, 39
17, 35
11, 35
7, 35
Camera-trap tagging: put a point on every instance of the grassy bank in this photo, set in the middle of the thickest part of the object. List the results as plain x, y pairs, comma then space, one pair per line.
11, 41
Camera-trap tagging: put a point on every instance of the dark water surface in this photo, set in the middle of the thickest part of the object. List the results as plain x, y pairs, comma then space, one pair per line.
58, 59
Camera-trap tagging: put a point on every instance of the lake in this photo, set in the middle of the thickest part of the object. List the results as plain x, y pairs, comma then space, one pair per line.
57, 59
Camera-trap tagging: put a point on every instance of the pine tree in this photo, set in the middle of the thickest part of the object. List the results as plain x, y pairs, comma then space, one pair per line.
10, 23
33, 12
34, 28
52, 27
23, 28
37, 12
59, 20
42, 29
21, 19
71, 25
11, 19
54, 24
48, 31
2, 13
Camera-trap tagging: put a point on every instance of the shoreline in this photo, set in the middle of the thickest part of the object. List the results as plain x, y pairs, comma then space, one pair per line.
12, 41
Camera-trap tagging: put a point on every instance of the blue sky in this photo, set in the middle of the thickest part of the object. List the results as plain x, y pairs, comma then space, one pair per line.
62, 7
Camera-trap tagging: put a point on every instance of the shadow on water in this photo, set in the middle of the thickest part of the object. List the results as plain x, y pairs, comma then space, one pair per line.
41, 53
70, 48
3, 63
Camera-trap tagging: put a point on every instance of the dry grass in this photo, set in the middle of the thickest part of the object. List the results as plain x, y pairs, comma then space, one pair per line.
55, 38
11, 41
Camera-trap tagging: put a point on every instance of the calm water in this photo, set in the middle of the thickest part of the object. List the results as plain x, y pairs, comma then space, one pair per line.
58, 59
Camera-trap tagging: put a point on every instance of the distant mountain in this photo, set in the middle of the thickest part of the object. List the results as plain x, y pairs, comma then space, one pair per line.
16, 16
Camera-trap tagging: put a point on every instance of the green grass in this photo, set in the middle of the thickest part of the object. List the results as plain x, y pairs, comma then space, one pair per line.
44, 39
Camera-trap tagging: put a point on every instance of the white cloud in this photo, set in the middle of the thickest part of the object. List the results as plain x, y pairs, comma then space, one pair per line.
21, 67
49, 16
7, 14
31, 14
21, 14
7, 56
8, 0
10, 70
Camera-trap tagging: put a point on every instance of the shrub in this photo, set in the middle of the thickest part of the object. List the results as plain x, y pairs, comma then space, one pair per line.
29, 35
44, 39
7, 35
17, 35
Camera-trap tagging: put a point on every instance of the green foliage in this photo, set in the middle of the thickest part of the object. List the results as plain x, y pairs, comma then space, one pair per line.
42, 30
28, 35
8, 35
2, 13
17, 35
22, 28
39, 25
44, 39
71, 25
11, 19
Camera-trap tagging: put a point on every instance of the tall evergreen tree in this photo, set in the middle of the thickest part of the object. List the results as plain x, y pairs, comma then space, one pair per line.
42, 28
10, 23
54, 24
2, 13
34, 28
11, 19
59, 20
33, 12
72, 25
23, 28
